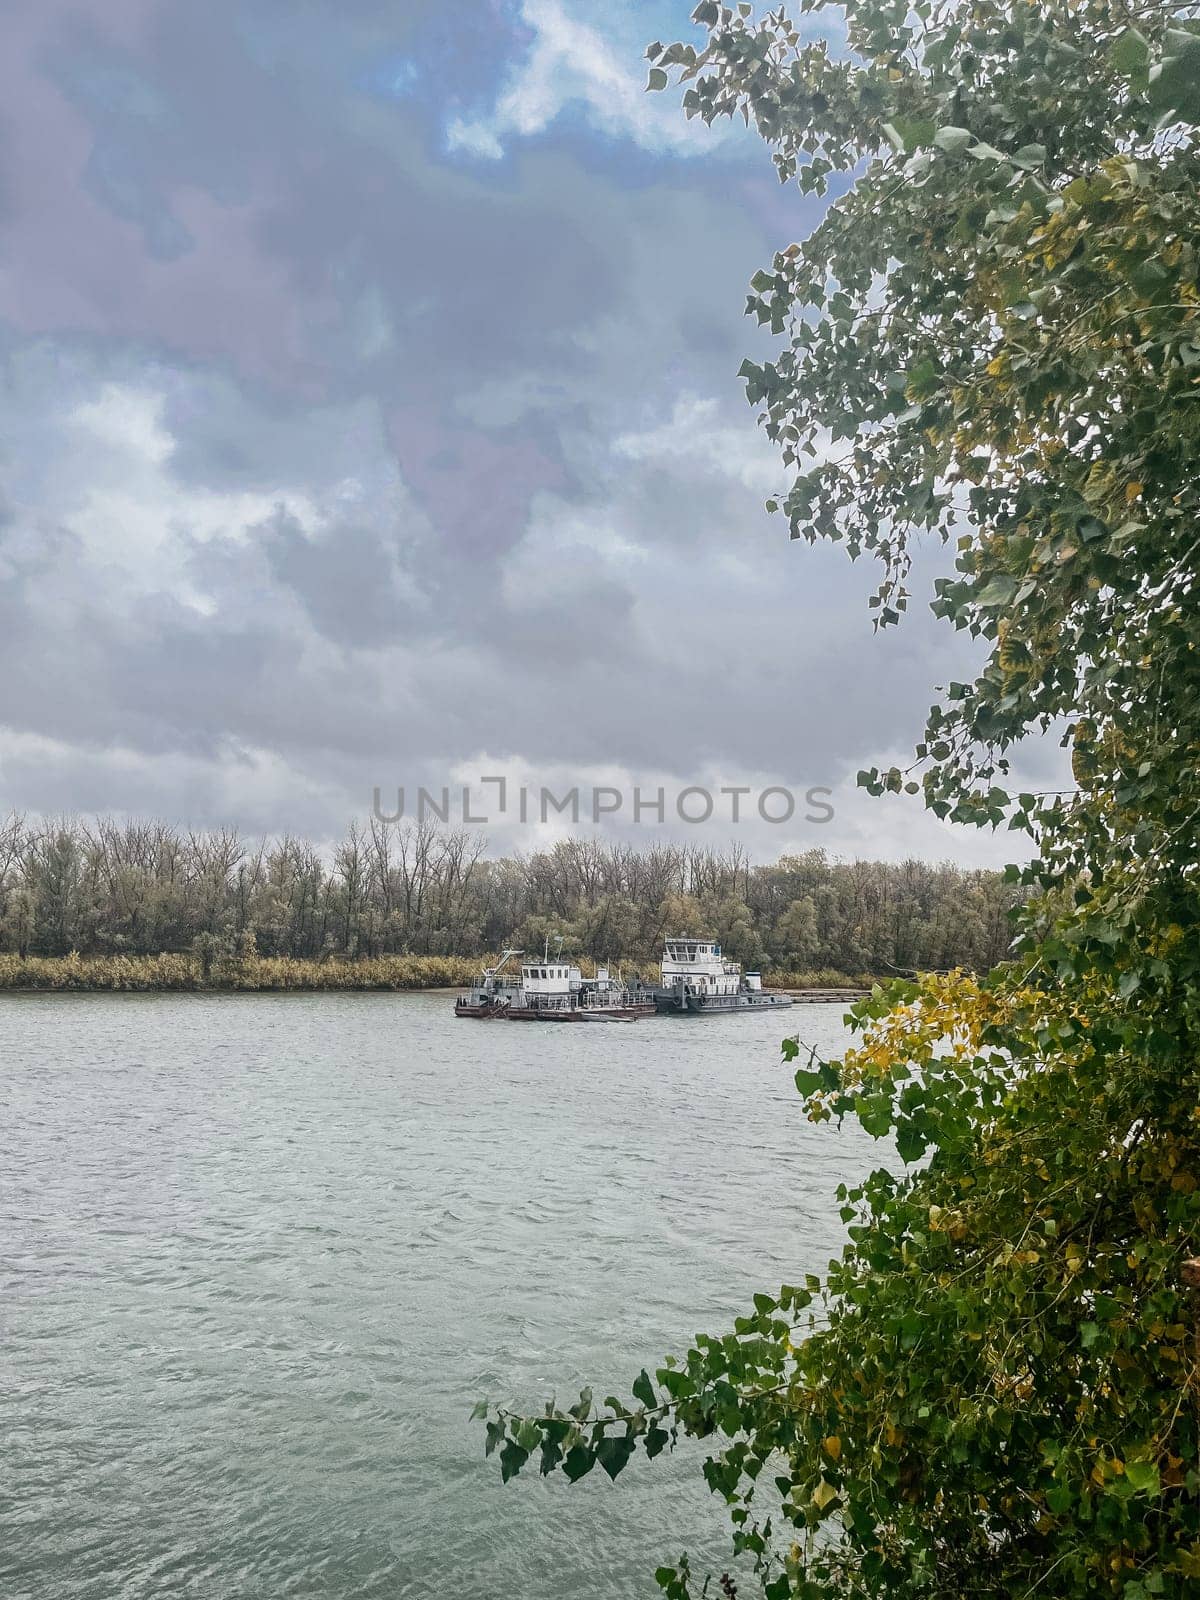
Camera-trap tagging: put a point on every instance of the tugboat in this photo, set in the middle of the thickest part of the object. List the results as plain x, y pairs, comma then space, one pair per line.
698, 981
554, 990
551, 990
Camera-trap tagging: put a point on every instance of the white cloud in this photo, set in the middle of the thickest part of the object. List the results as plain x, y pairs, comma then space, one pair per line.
129, 511
257, 788
474, 138
696, 435
543, 802
571, 63
564, 552
105, 467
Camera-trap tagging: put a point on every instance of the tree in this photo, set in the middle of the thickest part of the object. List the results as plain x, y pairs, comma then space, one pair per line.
142, 888
797, 934
728, 917
56, 888
994, 337
19, 921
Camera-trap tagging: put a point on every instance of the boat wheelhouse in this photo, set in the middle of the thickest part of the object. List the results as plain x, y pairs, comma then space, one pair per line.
696, 978
549, 990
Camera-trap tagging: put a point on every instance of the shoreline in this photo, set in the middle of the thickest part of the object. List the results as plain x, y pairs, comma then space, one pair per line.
813, 996
184, 974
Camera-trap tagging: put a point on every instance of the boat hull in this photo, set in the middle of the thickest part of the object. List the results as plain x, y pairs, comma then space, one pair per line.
509, 1013
628, 1013
545, 1014
668, 1003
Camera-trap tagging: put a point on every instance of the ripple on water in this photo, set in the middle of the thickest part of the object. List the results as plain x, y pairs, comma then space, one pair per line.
261, 1254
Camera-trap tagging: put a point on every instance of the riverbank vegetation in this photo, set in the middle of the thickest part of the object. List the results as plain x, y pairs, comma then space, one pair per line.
242, 970
245, 971
103, 889
992, 337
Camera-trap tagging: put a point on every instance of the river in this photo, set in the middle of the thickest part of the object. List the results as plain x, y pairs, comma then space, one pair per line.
259, 1255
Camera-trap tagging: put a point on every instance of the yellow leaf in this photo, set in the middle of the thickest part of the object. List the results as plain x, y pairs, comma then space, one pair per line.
833, 1446
823, 1494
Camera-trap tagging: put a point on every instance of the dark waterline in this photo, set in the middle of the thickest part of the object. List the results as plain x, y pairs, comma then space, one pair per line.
259, 1255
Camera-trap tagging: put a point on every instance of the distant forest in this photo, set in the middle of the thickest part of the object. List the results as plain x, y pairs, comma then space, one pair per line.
141, 888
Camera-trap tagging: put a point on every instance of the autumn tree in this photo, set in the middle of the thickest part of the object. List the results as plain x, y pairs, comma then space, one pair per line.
993, 338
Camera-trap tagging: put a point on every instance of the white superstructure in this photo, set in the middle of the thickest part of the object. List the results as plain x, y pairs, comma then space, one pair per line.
550, 979
700, 966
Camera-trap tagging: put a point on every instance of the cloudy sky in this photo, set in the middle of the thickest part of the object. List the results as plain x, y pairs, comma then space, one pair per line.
368, 417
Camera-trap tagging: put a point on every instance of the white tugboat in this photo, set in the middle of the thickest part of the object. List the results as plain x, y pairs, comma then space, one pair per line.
551, 989
697, 980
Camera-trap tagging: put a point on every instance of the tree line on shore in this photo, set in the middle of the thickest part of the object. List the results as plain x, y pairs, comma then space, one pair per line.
142, 888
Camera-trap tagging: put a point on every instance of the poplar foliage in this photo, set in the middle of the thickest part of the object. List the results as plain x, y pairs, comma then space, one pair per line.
147, 889
993, 337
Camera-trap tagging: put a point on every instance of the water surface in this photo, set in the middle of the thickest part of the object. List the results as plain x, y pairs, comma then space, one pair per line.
259, 1255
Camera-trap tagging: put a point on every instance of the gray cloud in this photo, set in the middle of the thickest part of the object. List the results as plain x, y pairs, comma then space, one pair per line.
332, 459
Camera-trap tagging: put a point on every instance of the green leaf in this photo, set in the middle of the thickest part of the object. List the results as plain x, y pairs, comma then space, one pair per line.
998, 591
1142, 1477
643, 1389
580, 1410
875, 1113
657, 80
910, 1145
528, 1435
578, 1462
512, 1459
656, 1438
613, 1453
915, 131
1174, 82
952, 139
1130, 52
